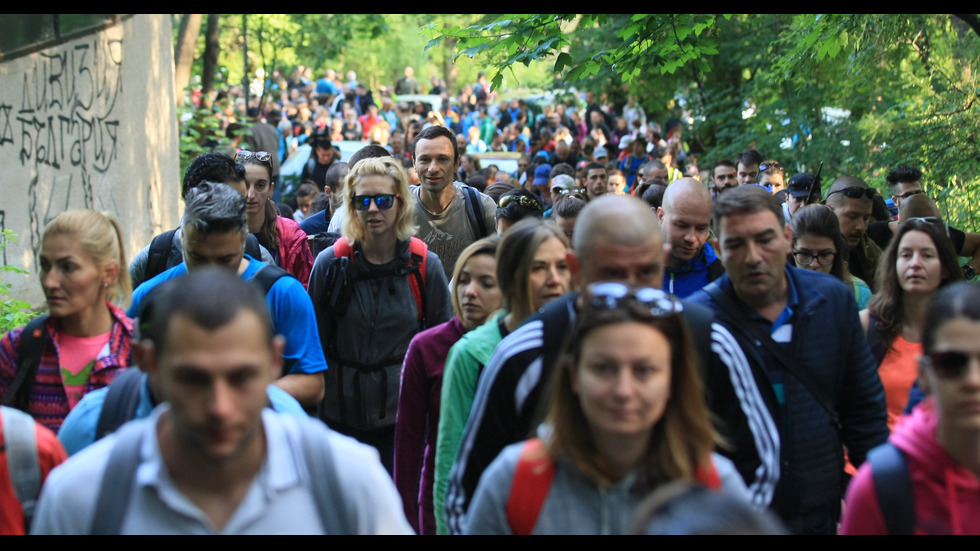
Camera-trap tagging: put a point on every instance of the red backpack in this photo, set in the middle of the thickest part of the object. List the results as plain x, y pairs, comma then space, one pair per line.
418, 254
532, 481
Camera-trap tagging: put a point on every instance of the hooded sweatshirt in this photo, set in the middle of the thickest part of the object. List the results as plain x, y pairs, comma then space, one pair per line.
693, 276
946, 494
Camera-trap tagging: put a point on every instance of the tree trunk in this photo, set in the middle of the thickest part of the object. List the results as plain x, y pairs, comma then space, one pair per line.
190, 27
211, 49
449, 69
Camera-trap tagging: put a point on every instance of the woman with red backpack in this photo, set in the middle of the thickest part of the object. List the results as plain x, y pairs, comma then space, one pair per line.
627, 415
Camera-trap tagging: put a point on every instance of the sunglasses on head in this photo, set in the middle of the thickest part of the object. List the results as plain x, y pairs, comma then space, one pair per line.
260, 156
856, 193
931, 220
524, 201
948, 364
384, 201
773, 165
609, 295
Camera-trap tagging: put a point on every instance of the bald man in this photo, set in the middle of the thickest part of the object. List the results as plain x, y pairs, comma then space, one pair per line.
852, 200
685, 218
617, 238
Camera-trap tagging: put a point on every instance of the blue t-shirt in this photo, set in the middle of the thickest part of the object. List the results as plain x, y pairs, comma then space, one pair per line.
78, 430
289, 306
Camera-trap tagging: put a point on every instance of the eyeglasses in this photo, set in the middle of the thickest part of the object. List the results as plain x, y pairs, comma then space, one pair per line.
805, 258
524, 201
384, 201
948, 364
608, 295
856, 193
908, 194
766, 166
260, 156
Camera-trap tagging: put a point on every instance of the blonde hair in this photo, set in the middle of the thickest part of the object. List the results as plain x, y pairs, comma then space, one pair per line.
101, 238
487, 246
351, 227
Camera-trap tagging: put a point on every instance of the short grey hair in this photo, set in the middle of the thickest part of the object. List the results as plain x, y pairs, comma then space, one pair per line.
213, 208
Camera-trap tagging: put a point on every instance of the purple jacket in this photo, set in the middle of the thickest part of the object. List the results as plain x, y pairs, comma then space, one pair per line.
417, 423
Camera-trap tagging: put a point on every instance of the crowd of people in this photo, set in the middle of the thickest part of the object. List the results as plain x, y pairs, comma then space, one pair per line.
607, 340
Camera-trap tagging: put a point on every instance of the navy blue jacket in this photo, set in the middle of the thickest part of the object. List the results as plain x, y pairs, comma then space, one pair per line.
827, 341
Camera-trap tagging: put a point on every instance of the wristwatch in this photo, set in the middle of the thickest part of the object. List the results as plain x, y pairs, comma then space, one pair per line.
969, 272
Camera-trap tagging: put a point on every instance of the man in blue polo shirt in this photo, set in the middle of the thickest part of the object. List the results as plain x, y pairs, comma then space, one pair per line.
214, 229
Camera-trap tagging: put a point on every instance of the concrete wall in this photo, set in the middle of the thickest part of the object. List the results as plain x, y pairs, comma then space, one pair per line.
90, 123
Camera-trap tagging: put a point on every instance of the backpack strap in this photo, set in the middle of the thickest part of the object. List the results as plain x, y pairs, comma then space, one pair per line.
893, 488
113, 498
532, 482
29, 352
267, 276
342, 247
715, 270
474, 211
417, 264
156, 259
121, 400
328, 492
252, 247
20, 442
707, 476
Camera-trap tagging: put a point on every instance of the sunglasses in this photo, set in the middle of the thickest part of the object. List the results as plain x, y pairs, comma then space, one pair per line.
931, 220
609, 295
260, 156
766, 166
908, 194
384, 201
948, 364
524, 201
856, 193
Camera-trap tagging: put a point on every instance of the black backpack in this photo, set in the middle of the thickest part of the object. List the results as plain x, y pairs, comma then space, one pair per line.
29, 352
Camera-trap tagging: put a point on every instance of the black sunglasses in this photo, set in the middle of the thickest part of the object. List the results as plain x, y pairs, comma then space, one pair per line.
384, 201
948, 364
608, 295
856, 193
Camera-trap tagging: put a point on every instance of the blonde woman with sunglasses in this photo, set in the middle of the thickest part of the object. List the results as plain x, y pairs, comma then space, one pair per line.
373, 291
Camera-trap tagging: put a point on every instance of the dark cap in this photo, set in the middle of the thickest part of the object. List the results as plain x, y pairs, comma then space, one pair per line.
799, 185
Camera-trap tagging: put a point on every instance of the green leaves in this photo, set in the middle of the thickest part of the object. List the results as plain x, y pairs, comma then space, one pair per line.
643, 42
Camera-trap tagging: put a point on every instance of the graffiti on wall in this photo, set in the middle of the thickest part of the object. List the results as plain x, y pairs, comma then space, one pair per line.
63, 125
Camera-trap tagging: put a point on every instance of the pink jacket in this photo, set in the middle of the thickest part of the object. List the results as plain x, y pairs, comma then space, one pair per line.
946, 494
294, 251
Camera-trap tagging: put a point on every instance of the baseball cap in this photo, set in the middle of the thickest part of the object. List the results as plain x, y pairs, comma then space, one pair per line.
799, 185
